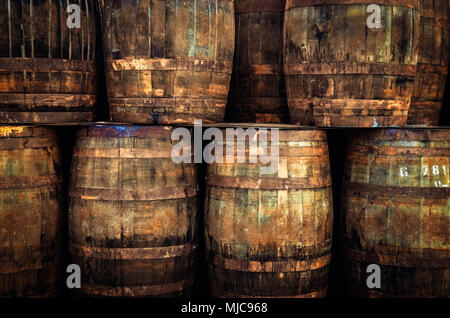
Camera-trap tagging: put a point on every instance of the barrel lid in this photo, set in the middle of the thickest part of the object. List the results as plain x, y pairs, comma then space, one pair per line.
405, 134
125, 131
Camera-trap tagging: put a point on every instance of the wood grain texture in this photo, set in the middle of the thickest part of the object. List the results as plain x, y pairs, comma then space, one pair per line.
132, 214
333, 37
47, 71
258, 92
396, 212
432, 66
270, 235
30, 212
168, 61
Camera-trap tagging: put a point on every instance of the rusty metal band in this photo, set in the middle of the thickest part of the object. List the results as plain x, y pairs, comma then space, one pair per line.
389, 191
400, 151
137, 291
351, 68
271, 266
168, 117
42, 117
148, 253
434, 69
49, 294
14, 268
414, 4
174, 104
269, 183
304, 152
263, 69
259, 6
46, 65
435, 21
55, 100
315, 294
29, 182
126, 153
286, 135
155, 194
403, 134
257, 104
177, 64
426, 105
114, 131
398, 260
343, 104
28, 143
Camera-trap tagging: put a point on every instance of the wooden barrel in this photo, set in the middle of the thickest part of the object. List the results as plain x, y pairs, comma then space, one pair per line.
341, 72
432, 66
168, 61
397, 212
132, 213
47, 70
258, 92
269, 235
30, 212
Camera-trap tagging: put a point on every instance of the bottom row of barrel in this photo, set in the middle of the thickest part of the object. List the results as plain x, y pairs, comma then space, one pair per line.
134, 211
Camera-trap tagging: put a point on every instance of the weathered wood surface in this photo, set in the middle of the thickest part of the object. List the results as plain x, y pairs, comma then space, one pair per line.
132, 214
396, 212
168, 61
432, 66
47, 71
30, 212
339, 72
258, 92
270, 235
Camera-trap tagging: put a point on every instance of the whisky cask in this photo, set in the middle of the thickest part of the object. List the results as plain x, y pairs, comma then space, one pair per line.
396, 212
269, 235
168, 61
30, 212
47, 70
132, 213
258, 92
341, 72
432, 66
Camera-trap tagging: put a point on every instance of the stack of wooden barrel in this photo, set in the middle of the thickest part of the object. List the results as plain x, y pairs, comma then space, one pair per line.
304, 70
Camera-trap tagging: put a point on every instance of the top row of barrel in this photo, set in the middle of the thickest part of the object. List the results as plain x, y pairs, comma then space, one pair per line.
354, 63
